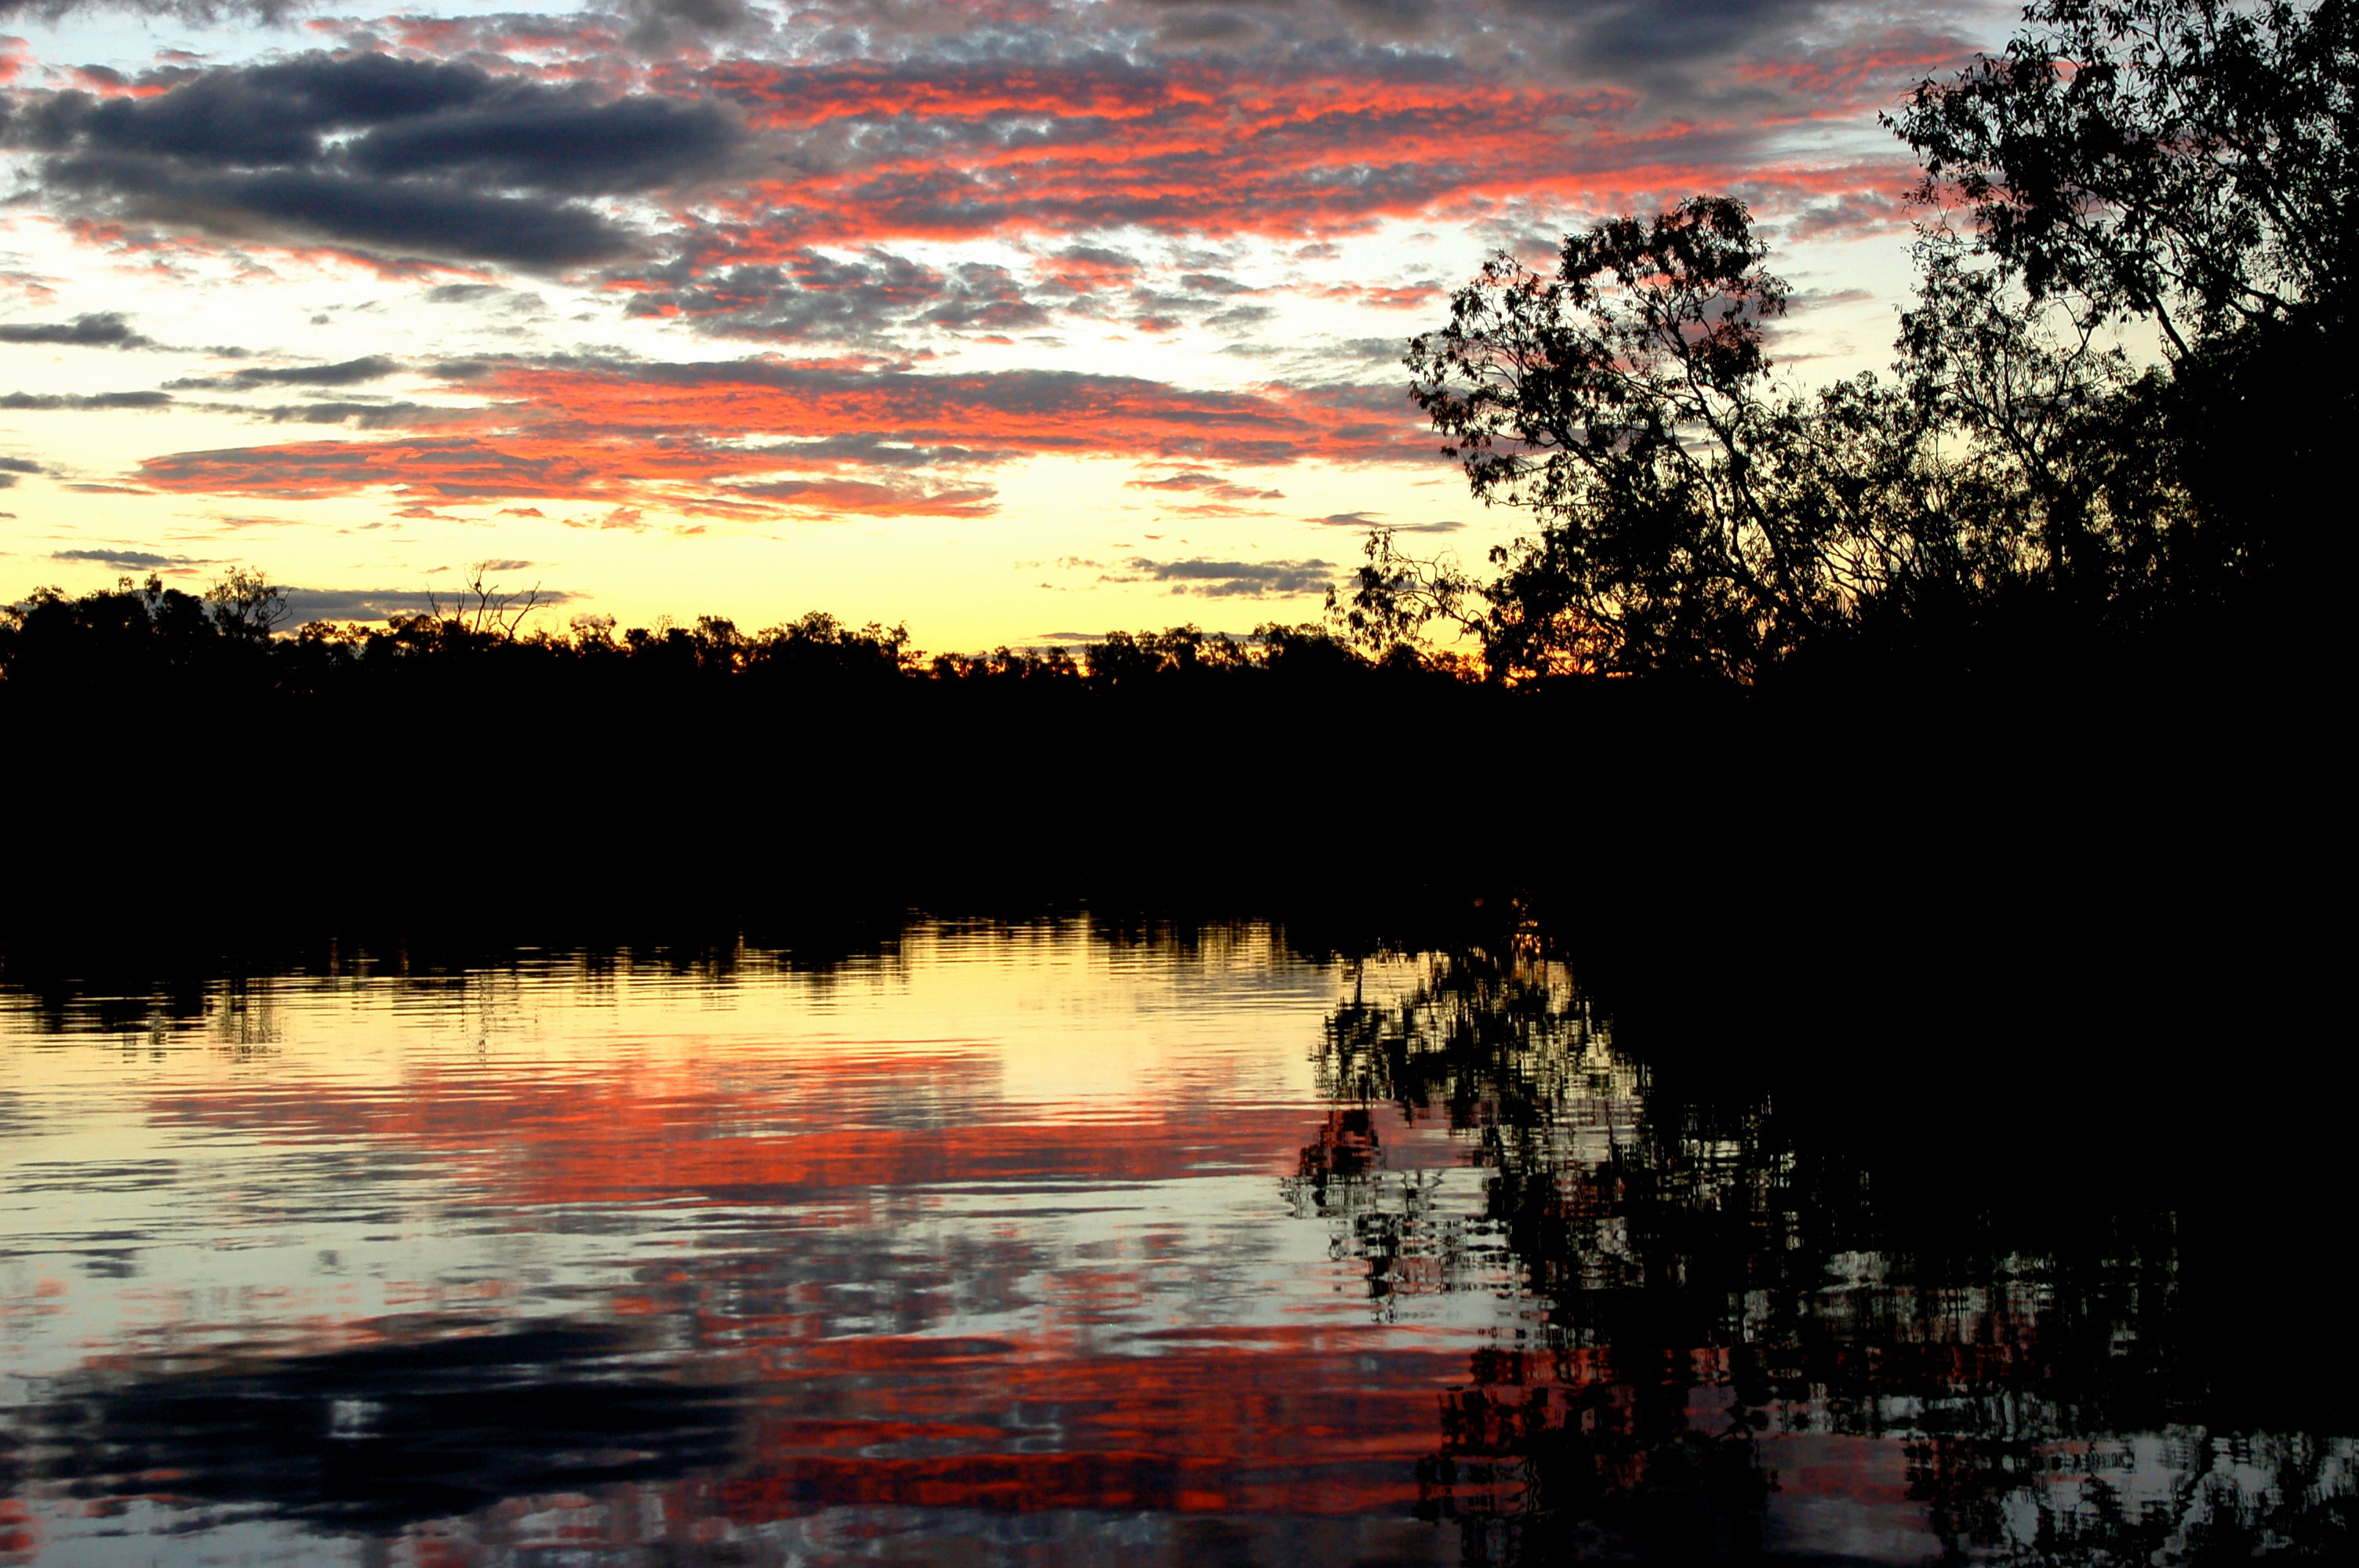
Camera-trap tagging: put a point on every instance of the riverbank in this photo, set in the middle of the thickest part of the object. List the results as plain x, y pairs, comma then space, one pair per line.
2066, 875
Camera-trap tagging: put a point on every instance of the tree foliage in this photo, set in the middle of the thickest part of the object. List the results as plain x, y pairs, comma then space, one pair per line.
1622, 395
151, 640
2026, 485
2189, 163
1696, 517
2186, 161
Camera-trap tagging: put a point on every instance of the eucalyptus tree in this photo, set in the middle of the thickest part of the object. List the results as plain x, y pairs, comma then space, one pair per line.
2188, 162
2179, 166
1694, 516
2186, 165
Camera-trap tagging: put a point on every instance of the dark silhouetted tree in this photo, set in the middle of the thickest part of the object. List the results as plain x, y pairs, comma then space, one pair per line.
2189, 164
1619, 400
2029, 490
1694, 518
2186, 161
246, 605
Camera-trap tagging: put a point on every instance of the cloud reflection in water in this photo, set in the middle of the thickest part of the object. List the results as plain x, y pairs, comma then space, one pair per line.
1031, 1245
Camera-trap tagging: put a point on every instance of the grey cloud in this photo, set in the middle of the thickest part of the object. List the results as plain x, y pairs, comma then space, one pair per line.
1374, 360
1210, 486
1368, 349
1811, 297
1854, 215
879, 451
1611, 37
103, 330
360, 416
1158, 310
250, 116
892, 498
1662, 49
1098, 256
296, 204
987, 297
658, 23
578, 147
816, 297
811, 298
1227, 579
1659, 41
369, 150
20, 465
1238, 317
85, 400
271, 11
346, 372
125, 561
1365, 523
381, 604
1390, 18
1207, 25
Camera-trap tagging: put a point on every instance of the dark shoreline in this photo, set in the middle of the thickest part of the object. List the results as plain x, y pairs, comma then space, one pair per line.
2079, 866
2074, 825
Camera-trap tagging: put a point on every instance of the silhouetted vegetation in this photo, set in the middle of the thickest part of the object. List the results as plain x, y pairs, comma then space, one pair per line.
465, 763
2032, 489
151, 640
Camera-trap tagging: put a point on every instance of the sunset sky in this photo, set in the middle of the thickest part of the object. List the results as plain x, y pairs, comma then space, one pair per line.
1008, 318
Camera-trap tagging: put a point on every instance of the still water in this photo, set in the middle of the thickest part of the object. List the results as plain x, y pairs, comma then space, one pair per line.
1026, 1244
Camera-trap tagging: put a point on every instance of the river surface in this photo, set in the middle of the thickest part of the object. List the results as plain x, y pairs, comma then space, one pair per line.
1025, 1244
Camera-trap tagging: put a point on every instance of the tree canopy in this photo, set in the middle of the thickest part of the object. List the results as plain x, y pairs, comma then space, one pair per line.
2029, 486
2187, 161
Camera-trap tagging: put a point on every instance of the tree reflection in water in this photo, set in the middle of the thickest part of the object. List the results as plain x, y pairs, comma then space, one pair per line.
1730, 1338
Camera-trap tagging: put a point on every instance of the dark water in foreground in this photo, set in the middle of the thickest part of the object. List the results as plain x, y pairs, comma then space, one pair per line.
1019, 1245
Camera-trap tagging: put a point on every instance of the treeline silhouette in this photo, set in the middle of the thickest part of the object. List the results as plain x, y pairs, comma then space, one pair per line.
2128, 837
228, 642
463, 764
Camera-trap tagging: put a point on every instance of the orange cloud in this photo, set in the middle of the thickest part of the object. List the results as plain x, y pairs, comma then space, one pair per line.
613, 433
1184, 145
1843, 82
